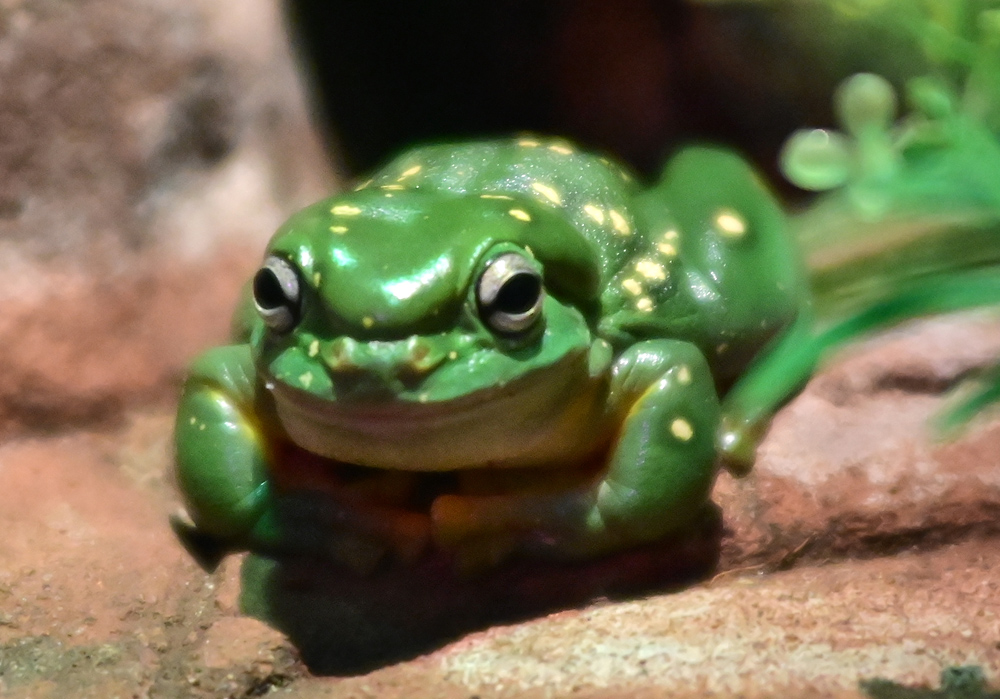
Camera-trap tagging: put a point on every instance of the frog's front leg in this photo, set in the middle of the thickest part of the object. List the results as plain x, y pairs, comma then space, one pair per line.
226, 451
657, 479
221, 457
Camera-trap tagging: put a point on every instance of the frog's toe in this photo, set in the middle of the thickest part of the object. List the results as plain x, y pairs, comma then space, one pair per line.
357, 534
359, 554
453, 520
457, 519
479, 555
484, 530
207, 550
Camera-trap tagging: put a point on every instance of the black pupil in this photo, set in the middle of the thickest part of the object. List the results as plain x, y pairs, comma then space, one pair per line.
267, 290
519, 294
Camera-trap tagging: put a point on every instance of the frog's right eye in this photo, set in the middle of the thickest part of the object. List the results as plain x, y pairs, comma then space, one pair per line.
277, 294
510, 295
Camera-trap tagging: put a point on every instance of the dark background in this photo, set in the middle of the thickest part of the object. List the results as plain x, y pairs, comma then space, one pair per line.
631, 77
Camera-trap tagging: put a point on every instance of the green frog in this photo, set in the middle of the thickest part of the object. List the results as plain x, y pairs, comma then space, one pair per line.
489, 349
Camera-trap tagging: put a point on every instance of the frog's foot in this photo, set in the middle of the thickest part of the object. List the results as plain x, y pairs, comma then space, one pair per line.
373, 509
483, 531
657, 480
351, 532
737, 442
207, 550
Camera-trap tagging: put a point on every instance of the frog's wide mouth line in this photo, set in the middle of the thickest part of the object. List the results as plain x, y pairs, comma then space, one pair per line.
527, 393
547, 415
366, 413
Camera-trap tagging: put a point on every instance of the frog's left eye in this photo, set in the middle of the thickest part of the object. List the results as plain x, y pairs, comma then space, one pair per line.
277, 294
510, 294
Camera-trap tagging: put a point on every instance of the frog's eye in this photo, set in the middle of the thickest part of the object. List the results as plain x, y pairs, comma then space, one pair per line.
510, 294
277, 295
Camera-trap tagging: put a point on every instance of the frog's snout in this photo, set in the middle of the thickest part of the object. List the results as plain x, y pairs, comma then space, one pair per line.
408, 359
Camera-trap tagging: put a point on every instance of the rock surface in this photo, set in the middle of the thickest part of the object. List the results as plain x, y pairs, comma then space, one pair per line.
147, 149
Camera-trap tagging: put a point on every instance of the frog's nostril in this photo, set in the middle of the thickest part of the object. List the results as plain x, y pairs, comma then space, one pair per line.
339, 355
420, 356
419, 352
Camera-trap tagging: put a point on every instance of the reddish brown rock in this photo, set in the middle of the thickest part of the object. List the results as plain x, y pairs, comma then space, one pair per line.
850, 468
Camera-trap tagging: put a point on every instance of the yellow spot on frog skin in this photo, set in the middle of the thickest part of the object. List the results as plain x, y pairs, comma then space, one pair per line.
645, 304
632, 286
362, 185
619, 222
453, 355
594, 212
339, 230
317, 278
721, 348
666, 249
368, 321
345, 210
651, 270
496, 196
730, 223
410, 172
314, 348
393, 187
681, 429
683, 375
306, 379
528, 143
520, 215
193, 420
561, 149
670, 235
548, 192
201, 427
423, 398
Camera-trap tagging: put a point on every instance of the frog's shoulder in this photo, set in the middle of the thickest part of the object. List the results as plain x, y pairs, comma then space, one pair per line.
592, 192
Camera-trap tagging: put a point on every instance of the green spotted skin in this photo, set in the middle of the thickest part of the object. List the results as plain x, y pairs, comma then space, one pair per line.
593, 430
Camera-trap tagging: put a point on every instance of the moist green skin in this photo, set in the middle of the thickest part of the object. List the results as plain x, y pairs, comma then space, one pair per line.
606, 414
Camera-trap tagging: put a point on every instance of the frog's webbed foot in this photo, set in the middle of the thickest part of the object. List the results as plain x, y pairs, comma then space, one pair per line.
207, 550
483, 530
348, 518
358, 534
657, 479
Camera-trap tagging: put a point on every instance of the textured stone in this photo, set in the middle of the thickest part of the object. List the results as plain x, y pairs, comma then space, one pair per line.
147, 149
851, 466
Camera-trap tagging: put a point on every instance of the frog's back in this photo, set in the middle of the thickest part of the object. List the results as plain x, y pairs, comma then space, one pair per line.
718, 266
703, 255
594, 194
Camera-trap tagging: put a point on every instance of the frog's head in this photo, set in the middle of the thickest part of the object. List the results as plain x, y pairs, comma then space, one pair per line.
396, 328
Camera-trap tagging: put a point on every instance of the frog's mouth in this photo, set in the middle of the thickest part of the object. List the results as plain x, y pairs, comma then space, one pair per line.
378, 418
546, 417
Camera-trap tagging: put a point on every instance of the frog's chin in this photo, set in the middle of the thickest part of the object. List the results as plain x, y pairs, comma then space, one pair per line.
546, 417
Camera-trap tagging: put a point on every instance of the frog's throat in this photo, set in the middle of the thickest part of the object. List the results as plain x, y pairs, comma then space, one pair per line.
549, 417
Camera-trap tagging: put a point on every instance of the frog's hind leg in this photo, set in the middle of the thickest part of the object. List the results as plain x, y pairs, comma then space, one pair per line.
657, 481
779, 374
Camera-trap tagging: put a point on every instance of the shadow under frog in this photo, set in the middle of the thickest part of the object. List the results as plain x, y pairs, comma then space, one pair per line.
486, 383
